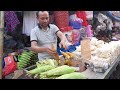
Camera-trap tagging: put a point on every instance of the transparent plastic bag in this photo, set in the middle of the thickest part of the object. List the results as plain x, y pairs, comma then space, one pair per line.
75, 36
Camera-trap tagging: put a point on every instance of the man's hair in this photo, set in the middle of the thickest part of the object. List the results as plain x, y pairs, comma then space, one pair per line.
37, 13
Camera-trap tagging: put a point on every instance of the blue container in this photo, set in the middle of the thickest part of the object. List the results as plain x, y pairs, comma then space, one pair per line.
58, 51
71, 48
77, 44
61, 49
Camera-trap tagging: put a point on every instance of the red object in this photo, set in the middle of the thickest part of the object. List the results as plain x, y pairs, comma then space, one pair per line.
10, 66
66, 29
82, 15
61, 18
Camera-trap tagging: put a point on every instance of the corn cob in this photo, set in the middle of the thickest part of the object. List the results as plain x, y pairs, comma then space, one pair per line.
55, 63
65, 55
39, 65
36, 76
51, 62
41, 69
74, 75
59, 71
56, 56
70, 54
52, 77
47, 62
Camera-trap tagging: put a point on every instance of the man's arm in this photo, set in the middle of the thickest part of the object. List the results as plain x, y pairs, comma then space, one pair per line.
36, 48
62, 38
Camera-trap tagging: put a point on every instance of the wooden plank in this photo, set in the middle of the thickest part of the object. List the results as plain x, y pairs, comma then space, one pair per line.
1, 19
1, 39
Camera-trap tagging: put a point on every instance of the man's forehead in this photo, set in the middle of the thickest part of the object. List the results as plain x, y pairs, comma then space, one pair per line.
43, 12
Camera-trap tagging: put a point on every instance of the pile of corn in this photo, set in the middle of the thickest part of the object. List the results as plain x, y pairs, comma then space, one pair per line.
68, 57
50, 70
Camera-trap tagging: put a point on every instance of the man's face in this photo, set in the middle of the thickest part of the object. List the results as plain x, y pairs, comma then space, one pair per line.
43, 18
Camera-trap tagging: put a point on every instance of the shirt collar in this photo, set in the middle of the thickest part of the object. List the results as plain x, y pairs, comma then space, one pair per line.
41, 27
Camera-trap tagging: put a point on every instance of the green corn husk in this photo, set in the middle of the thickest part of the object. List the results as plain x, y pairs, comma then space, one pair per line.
74, 75
50, 62
39, 65
41, 69
52, 77
58, 71
55, 62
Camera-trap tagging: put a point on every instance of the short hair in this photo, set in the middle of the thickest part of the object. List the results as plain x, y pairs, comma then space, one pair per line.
37, 13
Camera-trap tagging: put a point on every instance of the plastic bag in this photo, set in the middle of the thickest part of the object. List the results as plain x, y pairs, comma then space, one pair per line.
76, 23
10, 66
89, 31
75, 36
83, 33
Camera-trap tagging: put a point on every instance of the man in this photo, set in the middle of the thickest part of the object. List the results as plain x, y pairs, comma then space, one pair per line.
44, 36
109, 26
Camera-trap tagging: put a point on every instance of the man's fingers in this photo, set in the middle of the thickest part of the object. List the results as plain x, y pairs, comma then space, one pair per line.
63, 45
51, 52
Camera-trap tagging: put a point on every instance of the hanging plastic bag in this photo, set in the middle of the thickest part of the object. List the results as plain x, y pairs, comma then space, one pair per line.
82, 15
89, 31
83, 33
76, 23
75, 36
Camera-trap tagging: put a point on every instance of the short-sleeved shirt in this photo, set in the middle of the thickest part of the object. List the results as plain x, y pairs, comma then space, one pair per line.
45, 38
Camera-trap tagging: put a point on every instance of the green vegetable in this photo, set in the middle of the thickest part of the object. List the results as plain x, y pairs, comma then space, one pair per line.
39, 65
74, 75
52, 77
55, 62
26, 59
51, 62
41, 69
58, 71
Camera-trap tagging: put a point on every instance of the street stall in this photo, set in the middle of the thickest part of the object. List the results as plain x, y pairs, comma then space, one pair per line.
107, 29
86, 58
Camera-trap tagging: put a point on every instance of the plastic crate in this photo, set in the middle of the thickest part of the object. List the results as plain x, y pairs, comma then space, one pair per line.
71, 48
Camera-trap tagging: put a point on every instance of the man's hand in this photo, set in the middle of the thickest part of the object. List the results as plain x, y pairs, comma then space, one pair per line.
62, 44
51, 52
63, 40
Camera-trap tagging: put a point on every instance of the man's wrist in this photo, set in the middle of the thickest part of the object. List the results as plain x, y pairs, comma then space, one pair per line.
45, 49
